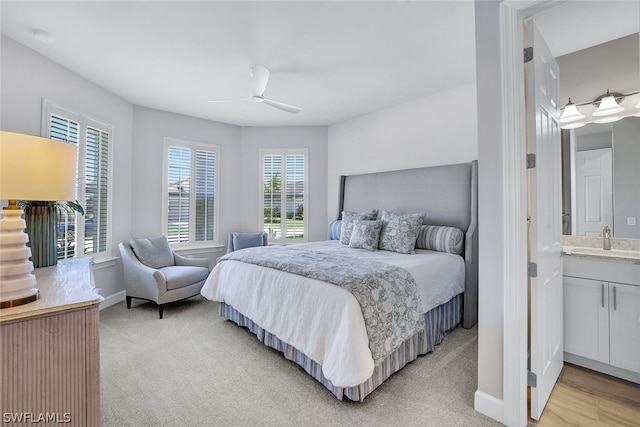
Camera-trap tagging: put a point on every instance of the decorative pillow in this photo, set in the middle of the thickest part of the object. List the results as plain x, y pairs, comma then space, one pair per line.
399, 232
334, 229
440, 238
154, 253
365, 234
347, 222
247, 240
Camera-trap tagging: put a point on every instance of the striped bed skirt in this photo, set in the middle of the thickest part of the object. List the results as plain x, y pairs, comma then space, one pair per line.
439, 322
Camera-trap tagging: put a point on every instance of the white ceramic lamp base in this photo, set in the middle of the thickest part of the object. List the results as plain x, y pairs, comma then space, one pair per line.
17, 284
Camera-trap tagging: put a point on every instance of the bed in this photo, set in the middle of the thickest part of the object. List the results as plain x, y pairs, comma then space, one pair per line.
351, 317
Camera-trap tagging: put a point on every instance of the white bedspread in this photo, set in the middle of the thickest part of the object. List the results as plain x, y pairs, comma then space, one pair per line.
322, 320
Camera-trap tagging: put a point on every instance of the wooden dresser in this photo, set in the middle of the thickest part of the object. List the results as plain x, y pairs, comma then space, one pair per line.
50, 351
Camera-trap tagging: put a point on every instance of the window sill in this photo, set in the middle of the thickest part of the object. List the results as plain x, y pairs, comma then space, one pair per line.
194, 250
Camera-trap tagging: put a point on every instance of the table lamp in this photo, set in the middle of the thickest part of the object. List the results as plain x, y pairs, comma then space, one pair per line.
31, 168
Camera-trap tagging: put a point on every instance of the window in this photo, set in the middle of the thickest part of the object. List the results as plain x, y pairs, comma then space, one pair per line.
283, 189
191, 208
79, 235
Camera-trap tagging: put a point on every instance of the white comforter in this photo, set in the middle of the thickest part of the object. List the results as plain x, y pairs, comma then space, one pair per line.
322, 320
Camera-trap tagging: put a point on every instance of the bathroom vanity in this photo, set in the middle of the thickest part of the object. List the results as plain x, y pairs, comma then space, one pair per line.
602, 310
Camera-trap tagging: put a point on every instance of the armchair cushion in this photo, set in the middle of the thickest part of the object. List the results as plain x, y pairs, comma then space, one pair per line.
154, 253
180, 276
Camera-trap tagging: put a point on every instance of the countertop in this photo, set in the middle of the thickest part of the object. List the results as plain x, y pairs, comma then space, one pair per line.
67, 285
616, 255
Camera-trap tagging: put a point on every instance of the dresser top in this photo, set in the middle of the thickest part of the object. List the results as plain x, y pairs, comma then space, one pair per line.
65, 286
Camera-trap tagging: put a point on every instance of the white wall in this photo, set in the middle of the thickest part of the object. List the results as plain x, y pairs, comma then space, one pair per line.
27, 77
138, 140
490, 203
150, 127
312, 138
434, 130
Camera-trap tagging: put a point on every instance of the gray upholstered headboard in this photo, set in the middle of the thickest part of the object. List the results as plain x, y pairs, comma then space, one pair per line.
447, 194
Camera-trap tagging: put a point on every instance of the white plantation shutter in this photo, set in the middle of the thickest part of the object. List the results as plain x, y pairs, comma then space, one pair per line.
96, 191
178, 194
66, 130
89, 234
205, 194
272, 193
283, 194
190, 215
295, 195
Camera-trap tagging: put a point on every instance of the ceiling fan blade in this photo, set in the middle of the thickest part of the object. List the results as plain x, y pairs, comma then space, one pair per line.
260, 75
229, 100
282, 106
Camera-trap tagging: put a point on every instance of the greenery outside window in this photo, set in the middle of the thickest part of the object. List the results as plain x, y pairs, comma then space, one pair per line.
283, 194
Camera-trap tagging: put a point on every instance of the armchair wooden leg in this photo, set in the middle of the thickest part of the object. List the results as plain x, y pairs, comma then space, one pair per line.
160, 310
128, 303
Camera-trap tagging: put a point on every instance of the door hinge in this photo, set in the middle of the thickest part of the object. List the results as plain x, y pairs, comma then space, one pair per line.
528, 54
531, 160
532, 379
532, 269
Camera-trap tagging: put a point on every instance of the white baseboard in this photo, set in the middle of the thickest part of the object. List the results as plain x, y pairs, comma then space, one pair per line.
488, 405
113, 299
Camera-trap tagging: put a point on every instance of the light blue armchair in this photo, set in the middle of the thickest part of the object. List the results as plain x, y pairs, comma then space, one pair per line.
153, 272
239, 240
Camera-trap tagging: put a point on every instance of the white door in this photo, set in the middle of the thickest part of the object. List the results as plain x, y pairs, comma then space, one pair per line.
545, 232
594, 191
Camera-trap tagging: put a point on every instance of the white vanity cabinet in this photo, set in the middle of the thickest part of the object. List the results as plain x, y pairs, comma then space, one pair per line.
602, 315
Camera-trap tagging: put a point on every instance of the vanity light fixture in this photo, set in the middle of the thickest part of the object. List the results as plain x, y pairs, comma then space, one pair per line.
608, 110
608, 104
570, 113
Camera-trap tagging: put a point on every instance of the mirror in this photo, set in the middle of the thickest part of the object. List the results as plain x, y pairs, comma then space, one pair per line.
601, 179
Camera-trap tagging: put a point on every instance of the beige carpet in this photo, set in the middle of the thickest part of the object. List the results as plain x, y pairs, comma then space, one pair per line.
192, 368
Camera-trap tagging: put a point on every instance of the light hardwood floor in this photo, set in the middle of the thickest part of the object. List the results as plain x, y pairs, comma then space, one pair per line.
583, 397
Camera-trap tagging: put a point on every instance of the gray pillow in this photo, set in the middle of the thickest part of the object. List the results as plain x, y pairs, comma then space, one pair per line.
247, 240
154, 253
347, 222
365, 234
440, 238
399, 232
334, 229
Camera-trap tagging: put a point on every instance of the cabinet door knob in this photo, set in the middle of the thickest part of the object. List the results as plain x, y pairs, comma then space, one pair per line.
615, 299
602, 292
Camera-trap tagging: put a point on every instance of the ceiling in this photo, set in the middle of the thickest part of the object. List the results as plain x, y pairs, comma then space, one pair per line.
336, 60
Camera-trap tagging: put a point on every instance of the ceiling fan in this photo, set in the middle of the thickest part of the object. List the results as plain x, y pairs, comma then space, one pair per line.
260, 75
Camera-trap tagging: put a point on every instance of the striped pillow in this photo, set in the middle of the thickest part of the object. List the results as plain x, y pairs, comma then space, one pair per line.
334, 229
440, 238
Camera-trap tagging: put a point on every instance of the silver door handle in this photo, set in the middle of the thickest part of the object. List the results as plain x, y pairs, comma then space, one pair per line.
602, 292
615, 299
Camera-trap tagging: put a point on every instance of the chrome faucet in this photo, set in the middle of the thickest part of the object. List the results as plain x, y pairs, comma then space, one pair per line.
606, 238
